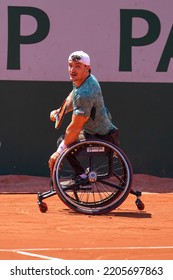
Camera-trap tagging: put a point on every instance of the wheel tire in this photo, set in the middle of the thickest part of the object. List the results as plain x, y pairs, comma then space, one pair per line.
140, 205
43, 207
107, 195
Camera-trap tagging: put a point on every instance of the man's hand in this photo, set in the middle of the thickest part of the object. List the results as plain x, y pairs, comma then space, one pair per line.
53, 115
52, 161
55, 155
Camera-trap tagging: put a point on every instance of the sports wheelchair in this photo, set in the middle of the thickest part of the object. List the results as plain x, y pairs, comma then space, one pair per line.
108, 178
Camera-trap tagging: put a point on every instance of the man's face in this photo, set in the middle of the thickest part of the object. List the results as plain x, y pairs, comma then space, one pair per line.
78, 72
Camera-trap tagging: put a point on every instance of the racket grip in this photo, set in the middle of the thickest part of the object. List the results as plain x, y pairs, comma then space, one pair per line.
56, 121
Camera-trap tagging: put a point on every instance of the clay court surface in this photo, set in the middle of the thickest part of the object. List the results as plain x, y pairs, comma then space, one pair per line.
125, 233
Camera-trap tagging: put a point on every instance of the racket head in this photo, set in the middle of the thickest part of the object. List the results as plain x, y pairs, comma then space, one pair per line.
60, 115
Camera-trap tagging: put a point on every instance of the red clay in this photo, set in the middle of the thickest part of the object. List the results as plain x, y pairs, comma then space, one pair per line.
125, 233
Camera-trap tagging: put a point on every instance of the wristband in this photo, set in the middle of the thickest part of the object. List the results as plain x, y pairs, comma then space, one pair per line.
61, 147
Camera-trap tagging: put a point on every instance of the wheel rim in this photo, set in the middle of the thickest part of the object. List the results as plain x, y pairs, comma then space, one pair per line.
112, 177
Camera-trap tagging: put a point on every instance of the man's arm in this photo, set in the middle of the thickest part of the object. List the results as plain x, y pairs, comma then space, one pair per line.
74, 129
72, 133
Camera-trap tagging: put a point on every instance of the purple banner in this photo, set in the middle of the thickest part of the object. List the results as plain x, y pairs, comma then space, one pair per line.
128, 41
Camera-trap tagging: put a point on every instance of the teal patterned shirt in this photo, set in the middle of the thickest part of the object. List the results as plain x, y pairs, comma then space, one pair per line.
88, 101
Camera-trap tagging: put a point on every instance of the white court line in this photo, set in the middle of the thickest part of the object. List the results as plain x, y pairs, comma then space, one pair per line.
34, 255
23, 251
87, 248
151, 193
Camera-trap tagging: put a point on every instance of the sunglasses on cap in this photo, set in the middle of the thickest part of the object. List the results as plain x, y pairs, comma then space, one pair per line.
75, 58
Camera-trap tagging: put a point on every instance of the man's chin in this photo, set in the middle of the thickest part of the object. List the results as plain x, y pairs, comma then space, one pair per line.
73, 78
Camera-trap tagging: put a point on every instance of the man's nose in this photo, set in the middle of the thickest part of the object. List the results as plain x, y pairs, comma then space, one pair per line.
72, 69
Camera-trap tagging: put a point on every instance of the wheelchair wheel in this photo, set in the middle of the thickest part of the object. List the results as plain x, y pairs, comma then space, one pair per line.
108, 177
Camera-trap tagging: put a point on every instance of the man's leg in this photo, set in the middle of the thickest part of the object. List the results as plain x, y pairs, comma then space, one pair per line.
111, 137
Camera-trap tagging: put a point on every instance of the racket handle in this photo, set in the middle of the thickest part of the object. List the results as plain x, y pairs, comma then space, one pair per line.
56, 121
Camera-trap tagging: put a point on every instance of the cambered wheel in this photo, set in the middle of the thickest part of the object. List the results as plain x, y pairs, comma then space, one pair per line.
109, 176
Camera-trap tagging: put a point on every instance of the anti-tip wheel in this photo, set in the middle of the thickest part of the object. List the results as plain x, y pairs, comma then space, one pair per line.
140, 205
43, 207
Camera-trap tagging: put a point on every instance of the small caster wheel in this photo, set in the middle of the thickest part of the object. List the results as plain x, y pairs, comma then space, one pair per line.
140, 205
43, 207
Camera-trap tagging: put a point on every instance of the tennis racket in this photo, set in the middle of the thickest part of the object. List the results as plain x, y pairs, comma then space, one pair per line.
60, 115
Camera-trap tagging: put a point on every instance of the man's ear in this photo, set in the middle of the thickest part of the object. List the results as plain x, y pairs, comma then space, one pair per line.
88, 68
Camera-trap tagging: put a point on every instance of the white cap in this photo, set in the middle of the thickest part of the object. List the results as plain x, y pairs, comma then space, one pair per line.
80, 56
